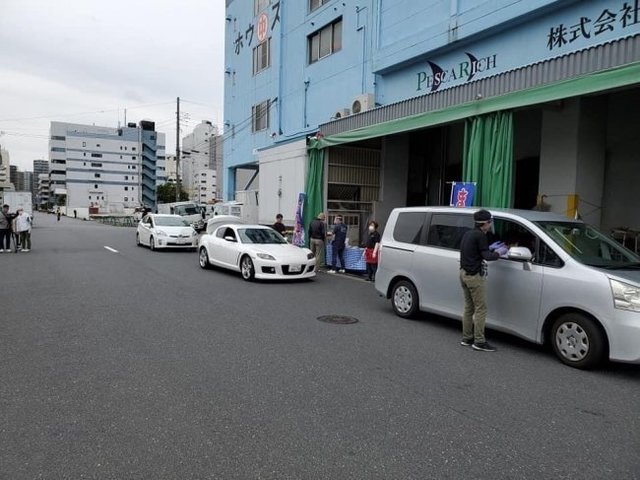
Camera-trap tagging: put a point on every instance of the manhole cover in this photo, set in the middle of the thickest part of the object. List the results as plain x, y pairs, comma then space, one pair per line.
340, 319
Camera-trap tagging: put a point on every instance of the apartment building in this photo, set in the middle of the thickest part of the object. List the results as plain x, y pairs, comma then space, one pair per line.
104, 169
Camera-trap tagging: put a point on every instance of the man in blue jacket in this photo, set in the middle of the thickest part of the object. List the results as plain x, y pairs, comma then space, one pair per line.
338, 244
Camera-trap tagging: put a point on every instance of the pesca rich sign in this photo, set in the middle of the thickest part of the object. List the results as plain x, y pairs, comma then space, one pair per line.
463, 71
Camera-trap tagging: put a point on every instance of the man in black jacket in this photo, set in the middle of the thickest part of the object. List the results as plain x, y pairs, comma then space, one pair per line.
474, 253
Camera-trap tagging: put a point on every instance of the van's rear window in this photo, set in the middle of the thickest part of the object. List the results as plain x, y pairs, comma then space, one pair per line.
408, 227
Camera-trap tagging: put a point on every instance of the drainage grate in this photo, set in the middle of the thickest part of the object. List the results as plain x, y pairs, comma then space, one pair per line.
339, 319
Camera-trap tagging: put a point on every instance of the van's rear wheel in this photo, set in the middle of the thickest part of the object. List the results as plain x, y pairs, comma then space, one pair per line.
577, 341
404, 299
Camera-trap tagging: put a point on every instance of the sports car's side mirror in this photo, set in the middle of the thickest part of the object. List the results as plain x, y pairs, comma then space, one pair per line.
229, 238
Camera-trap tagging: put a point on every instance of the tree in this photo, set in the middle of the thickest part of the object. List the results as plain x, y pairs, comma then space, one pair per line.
61, 200
167, 193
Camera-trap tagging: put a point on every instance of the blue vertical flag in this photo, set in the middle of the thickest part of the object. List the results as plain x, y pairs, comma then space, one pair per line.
298, 230
462, 194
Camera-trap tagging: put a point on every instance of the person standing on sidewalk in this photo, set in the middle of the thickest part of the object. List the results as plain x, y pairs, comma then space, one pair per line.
338, 244
23, 229
5, 229
474, 253
317, 237
371, 249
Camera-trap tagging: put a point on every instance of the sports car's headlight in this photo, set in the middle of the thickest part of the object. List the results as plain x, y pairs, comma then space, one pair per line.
265, 256
161, 233
310, 255
625, 296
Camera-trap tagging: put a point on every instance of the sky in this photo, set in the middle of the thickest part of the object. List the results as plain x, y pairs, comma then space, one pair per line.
86, 61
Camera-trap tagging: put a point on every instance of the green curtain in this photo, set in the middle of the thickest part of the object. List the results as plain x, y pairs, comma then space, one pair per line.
314, 186
488, 158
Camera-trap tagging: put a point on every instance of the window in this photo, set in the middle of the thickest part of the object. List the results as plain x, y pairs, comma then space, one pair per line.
126, 199
97, 144
125, 148
57, 137
260, 116
126, 189
262, 56
409, 227
446, 230
84, 144
133, 157
97, 175
259, 5
95, 185
315, 4
96, 155
133, 167
126, 177
84, 154
58, 149
96, 165
325, 41
120, 149
133, 148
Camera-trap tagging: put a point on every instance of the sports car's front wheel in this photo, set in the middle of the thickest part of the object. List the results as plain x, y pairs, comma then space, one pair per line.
247, 269
203, 258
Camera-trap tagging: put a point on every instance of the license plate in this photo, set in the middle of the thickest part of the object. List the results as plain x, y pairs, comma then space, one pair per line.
182, 241
295, 268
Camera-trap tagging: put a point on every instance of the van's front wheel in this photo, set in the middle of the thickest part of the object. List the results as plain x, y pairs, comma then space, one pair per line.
404, 299
577, 341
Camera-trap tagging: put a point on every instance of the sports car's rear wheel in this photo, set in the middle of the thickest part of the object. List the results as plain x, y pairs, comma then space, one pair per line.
247, 269
203, 258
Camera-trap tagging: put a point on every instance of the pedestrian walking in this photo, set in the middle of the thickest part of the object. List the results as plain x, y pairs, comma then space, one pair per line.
372, 247
317, 237
338, 243
22, 228
58, 213
474, 255
6, 220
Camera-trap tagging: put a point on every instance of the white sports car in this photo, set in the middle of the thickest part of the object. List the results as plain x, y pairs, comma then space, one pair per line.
255, 251
166, 231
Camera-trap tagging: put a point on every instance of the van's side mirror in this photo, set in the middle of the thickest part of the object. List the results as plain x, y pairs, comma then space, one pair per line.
522, 254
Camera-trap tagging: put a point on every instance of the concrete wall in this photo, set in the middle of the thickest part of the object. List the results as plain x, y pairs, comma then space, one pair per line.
395, 167
286, 166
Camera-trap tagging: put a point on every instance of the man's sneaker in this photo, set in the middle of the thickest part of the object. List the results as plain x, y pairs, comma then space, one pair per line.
341, 270
466, 343
331, 271
1, 250
25, 250
483, 347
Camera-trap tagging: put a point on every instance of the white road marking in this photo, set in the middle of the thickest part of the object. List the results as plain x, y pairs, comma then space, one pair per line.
111, 249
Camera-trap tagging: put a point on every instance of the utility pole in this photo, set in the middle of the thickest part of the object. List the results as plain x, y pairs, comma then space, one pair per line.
178, 150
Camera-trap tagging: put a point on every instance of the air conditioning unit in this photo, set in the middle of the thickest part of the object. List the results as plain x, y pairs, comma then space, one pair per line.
363, 102
343, 112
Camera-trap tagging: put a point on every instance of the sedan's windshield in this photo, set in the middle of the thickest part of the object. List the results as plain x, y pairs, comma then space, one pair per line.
171, 222
260, 235
587, 245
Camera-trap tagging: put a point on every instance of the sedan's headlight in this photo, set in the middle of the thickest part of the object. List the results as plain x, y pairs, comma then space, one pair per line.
625, 296
310, 256
265, 256
161, 233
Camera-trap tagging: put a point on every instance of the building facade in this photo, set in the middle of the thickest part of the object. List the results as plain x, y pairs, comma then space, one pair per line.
376, 104
102, 169
5, 172
198, 163
42, 195
40, 167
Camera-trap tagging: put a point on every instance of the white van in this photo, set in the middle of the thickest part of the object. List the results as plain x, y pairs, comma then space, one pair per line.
564, 282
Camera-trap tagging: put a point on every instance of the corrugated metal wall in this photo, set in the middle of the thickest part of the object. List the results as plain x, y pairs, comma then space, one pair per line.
352, 169
601, 57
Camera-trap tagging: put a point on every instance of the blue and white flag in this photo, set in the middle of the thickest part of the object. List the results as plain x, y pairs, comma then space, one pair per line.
462, 194
298, 230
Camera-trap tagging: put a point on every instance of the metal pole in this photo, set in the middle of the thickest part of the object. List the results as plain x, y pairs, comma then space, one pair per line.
178, 150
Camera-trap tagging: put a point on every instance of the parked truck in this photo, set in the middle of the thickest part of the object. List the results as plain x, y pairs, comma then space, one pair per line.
17, 200
190, 211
